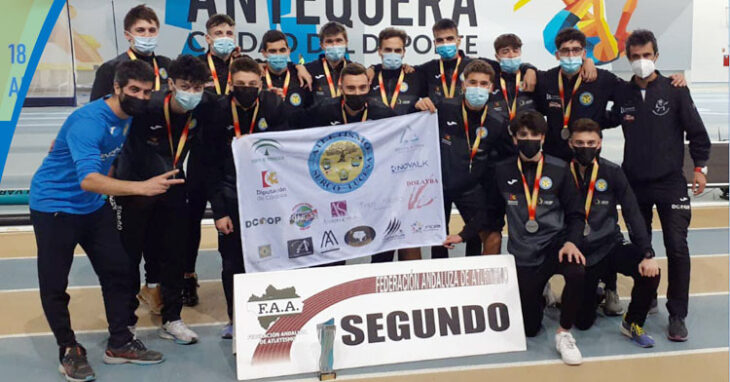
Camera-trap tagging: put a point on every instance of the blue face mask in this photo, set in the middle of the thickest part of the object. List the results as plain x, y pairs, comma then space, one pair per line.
392, 61
571, 64
476, 96
277, 62
188, 100
145, 45
447, 51
335, 53
223, 46
510, 65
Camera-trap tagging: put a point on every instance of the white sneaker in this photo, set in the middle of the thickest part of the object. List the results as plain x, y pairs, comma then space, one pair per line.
178, 332
133, 330
569, 352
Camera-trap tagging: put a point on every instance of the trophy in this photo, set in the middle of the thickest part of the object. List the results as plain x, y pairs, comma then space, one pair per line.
326, 335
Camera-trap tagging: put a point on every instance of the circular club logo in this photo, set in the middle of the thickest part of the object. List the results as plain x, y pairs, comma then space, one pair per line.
302, 215
341, 162
360, 236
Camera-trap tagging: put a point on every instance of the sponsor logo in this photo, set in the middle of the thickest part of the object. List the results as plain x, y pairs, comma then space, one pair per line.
418, 227
111, 130
511, 181
546, 183
512, 200
264, 251
544, 202
628, 109
683, 199
681, 207
661, 107
408, 166
266, 150
408, 141
382, 203
601, 185
155, 127
274, 304
263, 221
341, 162
271, 193
300, 247
269, 178
360, 236
111, 154
551, 97
329, 242
421, 194
334, 123
303, 214
599, 202
338, 209
318, 76
393, 231
451, 123
556, 105
586, 99
629, 118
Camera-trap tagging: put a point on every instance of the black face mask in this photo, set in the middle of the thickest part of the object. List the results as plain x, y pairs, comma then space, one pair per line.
585, 155
245, 95
132, 106
529, 147
355, 102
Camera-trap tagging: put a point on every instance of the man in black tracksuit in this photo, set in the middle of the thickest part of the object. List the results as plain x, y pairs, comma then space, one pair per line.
158, 141
352, 106
603, 186
655, 118
326, 70
222, 49
545, 219
393, 87
141, 28
255, 111
463, 164
280, 74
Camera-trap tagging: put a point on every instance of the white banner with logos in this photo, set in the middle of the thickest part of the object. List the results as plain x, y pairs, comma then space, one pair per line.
326, 194
383, 313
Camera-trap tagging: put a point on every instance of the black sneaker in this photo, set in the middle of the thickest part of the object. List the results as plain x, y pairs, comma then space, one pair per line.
190, 291
74, 365
653, 308
133, 351
677, 329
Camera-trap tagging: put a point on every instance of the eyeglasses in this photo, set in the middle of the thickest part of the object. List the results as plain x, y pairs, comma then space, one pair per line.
567, 51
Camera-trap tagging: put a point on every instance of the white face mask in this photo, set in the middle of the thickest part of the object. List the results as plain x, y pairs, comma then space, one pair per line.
643, 68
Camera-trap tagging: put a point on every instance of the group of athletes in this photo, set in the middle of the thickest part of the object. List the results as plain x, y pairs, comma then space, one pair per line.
515, 141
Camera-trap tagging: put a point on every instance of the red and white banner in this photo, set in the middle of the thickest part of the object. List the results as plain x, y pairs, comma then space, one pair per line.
383, 313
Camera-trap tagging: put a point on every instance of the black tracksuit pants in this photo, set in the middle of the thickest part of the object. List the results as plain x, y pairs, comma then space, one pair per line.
197, 201
468, 203
165, 217
231, 250
625, 259
673, 206
57, 234
532, 281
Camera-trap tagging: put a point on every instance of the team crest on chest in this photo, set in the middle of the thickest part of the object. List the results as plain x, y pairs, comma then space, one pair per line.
404, 87
601, 185
546, 183
163, 73
263, 125
586, 99
295, 99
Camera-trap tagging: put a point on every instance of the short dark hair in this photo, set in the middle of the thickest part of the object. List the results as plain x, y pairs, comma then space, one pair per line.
507, 40
641, 37
570, 34
352, 69
586, 125
189, 68
445, 24
531, 120
140, 12
219, 19
391, 32
479, 66
272, 36
245, 64
137, 70
332, 28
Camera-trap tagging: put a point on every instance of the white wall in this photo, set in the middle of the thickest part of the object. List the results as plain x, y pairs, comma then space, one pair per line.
709, 41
